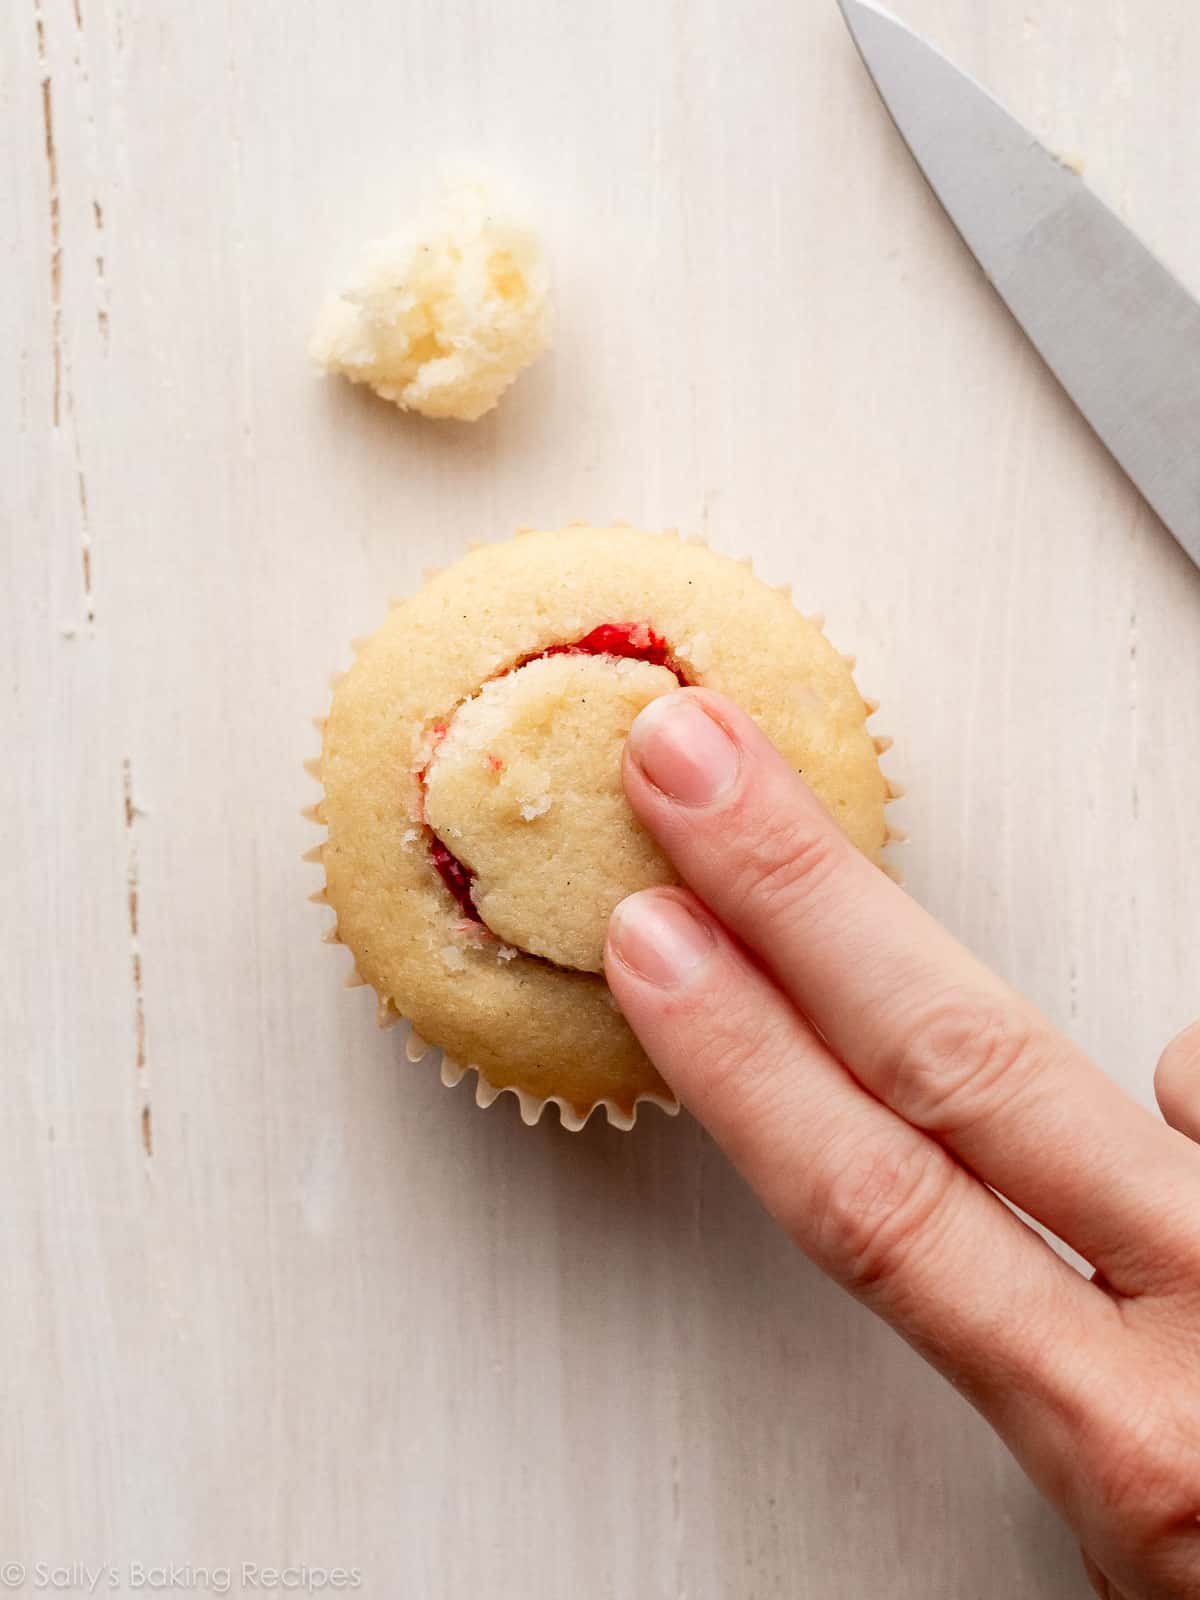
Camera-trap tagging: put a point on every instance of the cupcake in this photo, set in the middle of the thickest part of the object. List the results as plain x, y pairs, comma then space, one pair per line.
478, 836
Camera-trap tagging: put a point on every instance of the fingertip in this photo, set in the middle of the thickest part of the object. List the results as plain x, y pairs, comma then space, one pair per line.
1177, 1082
660, 937
715, 1027
683, 751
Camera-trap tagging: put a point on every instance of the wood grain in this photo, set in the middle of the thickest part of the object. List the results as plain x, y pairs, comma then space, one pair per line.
271, 1294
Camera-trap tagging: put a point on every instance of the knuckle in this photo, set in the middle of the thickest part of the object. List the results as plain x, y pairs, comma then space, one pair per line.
723, 1062
960, 1061
735, 1071
782, 858
877, 1206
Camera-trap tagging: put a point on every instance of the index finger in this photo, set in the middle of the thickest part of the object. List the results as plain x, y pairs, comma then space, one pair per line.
922, 1024
885, 1210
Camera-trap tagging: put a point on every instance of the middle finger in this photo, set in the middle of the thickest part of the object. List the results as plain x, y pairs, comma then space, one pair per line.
918, 1020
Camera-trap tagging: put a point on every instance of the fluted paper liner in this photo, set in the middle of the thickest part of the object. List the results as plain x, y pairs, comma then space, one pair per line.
530, 1105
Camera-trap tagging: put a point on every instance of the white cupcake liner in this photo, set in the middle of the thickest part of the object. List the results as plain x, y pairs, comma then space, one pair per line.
531, 1106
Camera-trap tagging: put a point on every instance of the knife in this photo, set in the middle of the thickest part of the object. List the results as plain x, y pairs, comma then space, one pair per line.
1119, 333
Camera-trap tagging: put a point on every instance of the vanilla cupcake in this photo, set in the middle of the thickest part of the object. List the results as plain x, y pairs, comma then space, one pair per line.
478, 836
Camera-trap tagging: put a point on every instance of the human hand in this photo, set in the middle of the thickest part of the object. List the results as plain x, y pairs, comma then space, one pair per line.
874, 1083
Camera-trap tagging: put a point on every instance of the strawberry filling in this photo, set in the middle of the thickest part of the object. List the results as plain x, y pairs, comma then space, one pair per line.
636, 641
454, 875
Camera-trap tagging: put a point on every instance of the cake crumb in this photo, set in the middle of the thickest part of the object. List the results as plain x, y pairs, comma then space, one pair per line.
441, 318
453, 958
535, 806
697, 652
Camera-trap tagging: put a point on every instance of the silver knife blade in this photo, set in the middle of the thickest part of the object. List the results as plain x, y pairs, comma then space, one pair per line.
1120, 333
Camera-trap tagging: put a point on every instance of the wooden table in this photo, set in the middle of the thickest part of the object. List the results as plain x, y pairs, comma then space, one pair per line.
270, 1293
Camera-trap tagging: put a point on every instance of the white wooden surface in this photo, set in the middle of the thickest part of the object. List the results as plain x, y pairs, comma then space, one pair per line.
270, 1294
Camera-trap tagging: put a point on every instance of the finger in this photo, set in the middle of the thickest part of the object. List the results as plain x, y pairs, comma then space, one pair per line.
920, 1022
1177, 1082
886, 1211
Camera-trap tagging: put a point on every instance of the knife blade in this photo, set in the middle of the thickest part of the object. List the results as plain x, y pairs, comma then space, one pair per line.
1119, 332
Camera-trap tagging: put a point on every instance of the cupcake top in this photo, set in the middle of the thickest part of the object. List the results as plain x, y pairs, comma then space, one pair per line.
478, 836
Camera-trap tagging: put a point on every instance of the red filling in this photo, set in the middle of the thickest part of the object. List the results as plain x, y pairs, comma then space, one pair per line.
637, 641
457, 878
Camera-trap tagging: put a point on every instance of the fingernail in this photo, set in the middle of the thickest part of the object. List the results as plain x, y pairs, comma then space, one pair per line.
683, 751
658, 938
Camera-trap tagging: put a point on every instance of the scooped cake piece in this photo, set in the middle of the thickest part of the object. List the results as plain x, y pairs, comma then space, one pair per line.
525, 788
